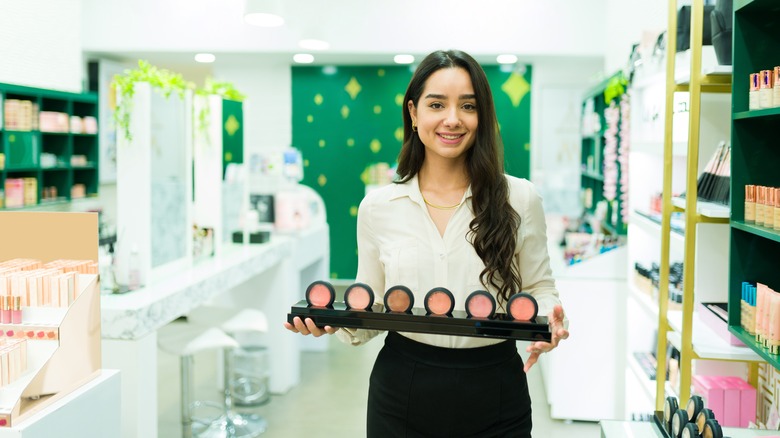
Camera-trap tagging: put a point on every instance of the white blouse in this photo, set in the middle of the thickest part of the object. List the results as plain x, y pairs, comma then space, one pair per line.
398, 244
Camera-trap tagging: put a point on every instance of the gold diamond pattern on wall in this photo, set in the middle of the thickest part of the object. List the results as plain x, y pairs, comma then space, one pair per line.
322, 143
228, 156
350, 142
380, 72
353, 211
310, 118
377, 109
305, 163
399, 99
318, 99
344, 112
528, 146
375, 146
353, 88
399, 134
516, 87
231, 125
322, 180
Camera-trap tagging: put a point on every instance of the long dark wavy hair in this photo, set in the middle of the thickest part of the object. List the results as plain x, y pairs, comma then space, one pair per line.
493, 231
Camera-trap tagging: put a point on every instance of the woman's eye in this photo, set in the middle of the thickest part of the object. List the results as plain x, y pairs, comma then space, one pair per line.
469, 107
436, 105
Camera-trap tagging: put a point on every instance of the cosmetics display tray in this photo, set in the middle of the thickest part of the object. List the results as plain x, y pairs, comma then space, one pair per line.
459, 324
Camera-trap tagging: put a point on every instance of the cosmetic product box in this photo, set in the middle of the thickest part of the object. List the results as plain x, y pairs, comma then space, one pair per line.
712, 392
256, 237
459, 324
715, 315
747, 400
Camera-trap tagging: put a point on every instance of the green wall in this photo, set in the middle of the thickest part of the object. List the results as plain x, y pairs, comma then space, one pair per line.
347, 118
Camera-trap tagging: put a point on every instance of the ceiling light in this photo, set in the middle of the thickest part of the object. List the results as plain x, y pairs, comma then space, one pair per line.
314, 44
205, 58
506, 59
263, 13
403, 59
303, 58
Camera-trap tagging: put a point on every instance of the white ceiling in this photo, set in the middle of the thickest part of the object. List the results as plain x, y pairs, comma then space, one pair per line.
170, 32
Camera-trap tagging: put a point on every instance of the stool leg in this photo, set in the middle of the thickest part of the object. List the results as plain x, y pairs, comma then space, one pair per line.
186, 396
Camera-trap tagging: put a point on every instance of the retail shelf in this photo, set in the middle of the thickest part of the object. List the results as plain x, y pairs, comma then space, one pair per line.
647, 384
653, 224
750, 341
767, 233
715, 79
644, 300
706, 343
764, 114
706, 209
592, 175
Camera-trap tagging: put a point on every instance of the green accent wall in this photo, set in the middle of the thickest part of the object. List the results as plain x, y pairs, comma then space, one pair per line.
232, 133
348, 118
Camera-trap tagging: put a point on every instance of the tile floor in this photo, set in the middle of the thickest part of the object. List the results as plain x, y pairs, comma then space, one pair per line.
332, 393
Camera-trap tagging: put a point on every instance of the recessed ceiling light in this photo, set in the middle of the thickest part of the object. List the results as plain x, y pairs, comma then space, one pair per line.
329, 70
262, 19
303, 58
205, 58
403, 59
314, 44
506, 59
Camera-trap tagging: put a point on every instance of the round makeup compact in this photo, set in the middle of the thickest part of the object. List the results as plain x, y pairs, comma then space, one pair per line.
439, 302
320, 294
399, 299
712, 429
480, 304
690, 431
522, 307
670, 407
704, 415
694, 406
679, 420
359, 296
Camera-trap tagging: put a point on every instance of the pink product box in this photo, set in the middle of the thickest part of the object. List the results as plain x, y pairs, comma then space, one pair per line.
712, 393
14, 192
90, 125
51, 121
747, 403
715, 316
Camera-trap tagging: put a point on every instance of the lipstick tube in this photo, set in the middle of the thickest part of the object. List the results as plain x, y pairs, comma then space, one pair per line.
5, 309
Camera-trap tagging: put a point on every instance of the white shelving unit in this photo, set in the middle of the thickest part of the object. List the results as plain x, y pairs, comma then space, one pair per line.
706, 343
704, 208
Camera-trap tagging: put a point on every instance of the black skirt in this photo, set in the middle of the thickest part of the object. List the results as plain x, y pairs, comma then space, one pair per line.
417, 390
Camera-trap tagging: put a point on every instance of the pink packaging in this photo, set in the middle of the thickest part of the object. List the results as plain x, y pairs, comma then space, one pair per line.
747, 405
711, 392
731, 401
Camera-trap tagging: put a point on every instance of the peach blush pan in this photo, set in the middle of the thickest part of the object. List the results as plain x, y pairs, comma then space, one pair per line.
480, 304
399, 299
320, 294
439, 302
522, 307
359, 296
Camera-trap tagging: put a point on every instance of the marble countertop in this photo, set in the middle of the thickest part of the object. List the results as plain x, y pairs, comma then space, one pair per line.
135, 314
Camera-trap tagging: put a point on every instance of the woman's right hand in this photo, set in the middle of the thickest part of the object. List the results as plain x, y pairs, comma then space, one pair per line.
308, 328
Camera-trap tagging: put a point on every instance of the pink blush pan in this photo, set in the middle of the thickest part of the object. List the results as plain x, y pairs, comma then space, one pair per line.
480, 304
359, 296
399, 299
320, 294
439, 301
522, 307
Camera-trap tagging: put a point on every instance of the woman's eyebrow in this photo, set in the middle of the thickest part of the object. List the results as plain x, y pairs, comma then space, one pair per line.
441, 96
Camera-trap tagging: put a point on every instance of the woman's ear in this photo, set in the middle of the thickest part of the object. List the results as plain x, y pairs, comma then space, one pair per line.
412, 111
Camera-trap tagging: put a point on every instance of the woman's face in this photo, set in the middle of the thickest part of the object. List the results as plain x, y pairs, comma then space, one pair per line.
446, 114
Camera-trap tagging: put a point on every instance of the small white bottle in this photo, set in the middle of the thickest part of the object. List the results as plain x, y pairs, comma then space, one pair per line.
134, 269
753, 96
765, 91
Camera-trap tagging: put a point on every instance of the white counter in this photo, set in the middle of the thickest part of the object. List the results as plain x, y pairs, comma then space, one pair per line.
270, 277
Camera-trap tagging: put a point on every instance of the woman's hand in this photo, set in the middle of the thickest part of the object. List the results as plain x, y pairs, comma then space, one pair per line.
558, 333
308, 328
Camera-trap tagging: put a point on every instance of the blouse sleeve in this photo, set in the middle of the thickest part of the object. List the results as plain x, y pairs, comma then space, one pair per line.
532, 256
370, 270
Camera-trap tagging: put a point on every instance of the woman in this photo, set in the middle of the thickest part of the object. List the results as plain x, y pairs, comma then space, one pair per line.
454, 220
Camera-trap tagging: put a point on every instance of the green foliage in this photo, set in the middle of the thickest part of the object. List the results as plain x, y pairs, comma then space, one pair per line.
221, 88
616, 87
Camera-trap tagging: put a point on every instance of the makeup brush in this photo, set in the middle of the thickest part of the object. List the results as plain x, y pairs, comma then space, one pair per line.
716, 188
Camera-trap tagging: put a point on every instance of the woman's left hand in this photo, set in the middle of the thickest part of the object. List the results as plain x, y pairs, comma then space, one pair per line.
558, 333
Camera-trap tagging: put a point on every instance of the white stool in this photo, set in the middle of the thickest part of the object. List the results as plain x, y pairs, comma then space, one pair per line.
184, 341
232, 424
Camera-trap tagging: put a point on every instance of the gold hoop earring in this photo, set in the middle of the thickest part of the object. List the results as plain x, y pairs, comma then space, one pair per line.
414, 127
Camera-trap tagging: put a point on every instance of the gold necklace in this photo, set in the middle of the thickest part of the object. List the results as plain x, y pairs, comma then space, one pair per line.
441, 207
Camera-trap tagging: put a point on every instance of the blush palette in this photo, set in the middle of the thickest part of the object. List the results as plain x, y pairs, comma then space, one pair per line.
436, 316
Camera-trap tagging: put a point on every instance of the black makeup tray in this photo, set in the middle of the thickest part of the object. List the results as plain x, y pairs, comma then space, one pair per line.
459, 324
